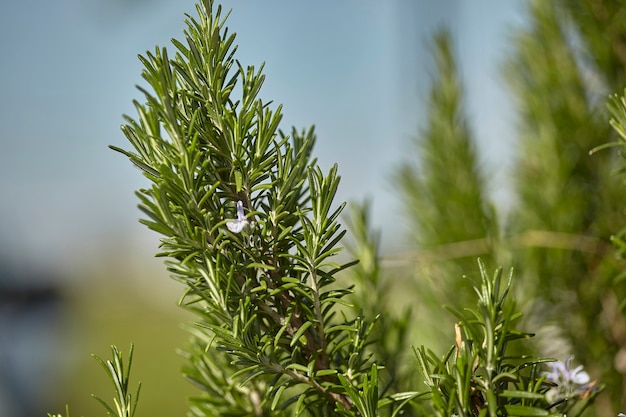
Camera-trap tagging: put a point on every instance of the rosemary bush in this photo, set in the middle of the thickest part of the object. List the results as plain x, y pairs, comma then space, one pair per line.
283, 326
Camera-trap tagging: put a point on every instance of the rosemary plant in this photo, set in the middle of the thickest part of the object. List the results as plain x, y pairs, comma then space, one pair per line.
482, 375
250, 229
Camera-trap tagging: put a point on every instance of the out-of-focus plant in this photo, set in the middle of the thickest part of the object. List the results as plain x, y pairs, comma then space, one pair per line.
444, 194
565, 59
617, 108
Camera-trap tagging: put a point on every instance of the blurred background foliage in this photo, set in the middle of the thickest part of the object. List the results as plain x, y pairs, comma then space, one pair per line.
567, 203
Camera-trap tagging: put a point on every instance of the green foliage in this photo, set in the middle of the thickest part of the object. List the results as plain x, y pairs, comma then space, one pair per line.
124, 406
124, 403
617, 108
562, 232
250, 229
67, 413
444, 194
267, 338
479, 375
366, 400
374, 299
564, 62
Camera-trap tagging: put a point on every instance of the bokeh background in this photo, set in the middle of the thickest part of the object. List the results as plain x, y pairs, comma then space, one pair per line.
77, 271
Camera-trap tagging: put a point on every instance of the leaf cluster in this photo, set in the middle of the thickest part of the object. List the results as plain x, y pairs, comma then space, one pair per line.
480, 375
124, 405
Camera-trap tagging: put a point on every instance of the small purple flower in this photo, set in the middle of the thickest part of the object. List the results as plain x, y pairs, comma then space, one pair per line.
569, 382
561, 374
240, 223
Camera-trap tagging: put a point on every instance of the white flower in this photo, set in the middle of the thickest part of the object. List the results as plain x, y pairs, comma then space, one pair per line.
238, 224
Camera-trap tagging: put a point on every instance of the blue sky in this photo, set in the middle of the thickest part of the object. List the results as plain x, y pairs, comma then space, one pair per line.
357, 69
